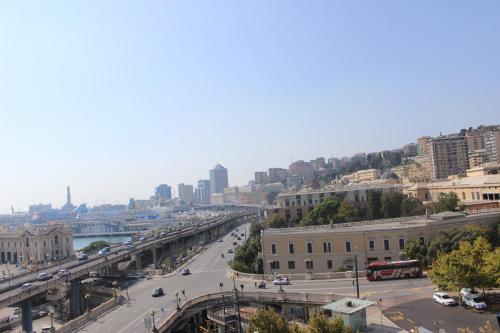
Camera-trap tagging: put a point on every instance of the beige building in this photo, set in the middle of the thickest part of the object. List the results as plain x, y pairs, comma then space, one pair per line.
363, 176
492, 146
448, 155
477, 158
423, 145
315, 251
36, 243
292, 206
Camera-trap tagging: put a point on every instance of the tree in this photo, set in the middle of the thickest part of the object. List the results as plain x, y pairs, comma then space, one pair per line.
391, 204
446, 202
95, 246
411, 206
326, 210
374, 204
347, 213
471, 265
320, 323
275, 221
416, 249
267, 321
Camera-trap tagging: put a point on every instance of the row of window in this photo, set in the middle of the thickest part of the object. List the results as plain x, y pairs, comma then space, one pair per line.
27, 243
275, 265
327, 246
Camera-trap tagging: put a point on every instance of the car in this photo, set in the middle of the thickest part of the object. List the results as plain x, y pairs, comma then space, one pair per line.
104, 251
236, 229
157, 292
230, 251
444, 299
220, 240
142, 239
186, 271
63, 272
127, 242
156, 235
261, 285
232, 234
44, 276
83, 256
474, 302
47, 329
129, 247
163, 233
469, 292
281, 281
27, 286
42, 313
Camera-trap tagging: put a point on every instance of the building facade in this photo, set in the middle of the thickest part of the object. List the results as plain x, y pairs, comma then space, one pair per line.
277, 175
40, 243
186, 193
203, 190
492, 146
423, 145
448, 156
163, 191
363, 176
261, 177
218, 179
325, 249
303, 170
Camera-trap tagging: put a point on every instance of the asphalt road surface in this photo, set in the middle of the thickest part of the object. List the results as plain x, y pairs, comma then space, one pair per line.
208, 269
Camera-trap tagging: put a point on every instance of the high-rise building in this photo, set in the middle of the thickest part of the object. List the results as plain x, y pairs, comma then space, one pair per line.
186, 193
277, 175
448, 155
492, 146
163, 191
303, 170
474, 139
218, 179
203, 190
318, 163
423, 145
261, 177
476, 158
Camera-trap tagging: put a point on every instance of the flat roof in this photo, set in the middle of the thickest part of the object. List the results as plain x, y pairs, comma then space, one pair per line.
348, 305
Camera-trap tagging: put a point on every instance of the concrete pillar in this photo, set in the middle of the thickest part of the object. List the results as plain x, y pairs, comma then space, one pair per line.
138, 261
26, 318
76, 303
155, 257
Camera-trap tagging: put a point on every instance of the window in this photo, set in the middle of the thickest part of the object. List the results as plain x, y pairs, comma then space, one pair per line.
273, 248
309, 264
387, 258
371, 245
421, 239
291, 265
56, 240
463, 195
290, 248
44, 243
472, 194
477, 196
386, 245
348, 246
401, 243
327, 247
329, 264
309, 247
275, 265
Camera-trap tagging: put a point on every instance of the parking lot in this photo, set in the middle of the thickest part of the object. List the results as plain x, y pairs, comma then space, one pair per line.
426, 313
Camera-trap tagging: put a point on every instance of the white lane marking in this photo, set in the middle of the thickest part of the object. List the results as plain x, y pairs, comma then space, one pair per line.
141, 316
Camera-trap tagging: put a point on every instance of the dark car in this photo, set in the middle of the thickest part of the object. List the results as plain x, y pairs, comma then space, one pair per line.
157, 292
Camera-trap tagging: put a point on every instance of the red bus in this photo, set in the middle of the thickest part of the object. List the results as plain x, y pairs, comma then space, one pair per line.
382, 270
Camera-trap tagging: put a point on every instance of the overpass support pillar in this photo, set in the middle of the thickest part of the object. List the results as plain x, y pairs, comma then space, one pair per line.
138, 262
155, 256
76, 303
26, 317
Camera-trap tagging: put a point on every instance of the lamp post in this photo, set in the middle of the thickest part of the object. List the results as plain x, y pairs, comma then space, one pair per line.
223, 302
87, 297
51, 313
356, 272
152, 313
234, 282
379, 304
115, 284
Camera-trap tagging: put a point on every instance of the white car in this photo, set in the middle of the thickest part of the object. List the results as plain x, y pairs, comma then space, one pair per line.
27, 286
444, 299
44, 276
468, 292
281, 281
63, 272
474, 302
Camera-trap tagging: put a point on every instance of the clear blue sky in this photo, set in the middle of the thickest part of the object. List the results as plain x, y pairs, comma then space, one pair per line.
115, 97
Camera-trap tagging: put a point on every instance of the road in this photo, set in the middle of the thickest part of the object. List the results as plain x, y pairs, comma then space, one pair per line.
208, 269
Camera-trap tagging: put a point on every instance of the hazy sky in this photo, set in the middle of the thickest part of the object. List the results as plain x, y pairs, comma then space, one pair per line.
115, 97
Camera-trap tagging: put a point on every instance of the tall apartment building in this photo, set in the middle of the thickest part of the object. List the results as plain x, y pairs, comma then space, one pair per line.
302, 169
163, 191
218, 179
448, 155
261, 177
277, 175
186, 193
203, 190
492, 146
423, 145
477, 157
474, 139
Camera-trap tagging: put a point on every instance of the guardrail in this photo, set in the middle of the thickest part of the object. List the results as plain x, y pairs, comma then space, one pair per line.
84, 269
254, 296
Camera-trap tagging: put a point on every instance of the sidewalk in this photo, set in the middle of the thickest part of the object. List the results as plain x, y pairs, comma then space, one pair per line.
375, 325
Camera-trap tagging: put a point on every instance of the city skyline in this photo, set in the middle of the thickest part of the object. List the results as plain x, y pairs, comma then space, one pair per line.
118, 101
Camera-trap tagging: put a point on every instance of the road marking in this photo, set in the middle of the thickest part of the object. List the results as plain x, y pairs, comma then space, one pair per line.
141, 316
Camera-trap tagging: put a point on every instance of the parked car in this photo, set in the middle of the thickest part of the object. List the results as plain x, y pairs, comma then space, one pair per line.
63, 272
221, 240
104, 251
83, 256
44, 276
185, 271
474, 302
281, 281
127, 242
129, 247
163, 233
27, 286
444, 299
261, 285
157, 292
468, 292
230, 251
142, 239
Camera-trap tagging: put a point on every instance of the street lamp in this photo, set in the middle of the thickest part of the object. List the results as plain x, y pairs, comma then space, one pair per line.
115, 284
87, 297
152, 313
223, 301
51, 313
234, 282
356, 272
379, 304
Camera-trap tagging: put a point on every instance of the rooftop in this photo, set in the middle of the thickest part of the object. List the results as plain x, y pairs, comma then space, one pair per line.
348, 305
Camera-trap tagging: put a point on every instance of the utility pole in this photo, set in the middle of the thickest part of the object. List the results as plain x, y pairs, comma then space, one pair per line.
356, 271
